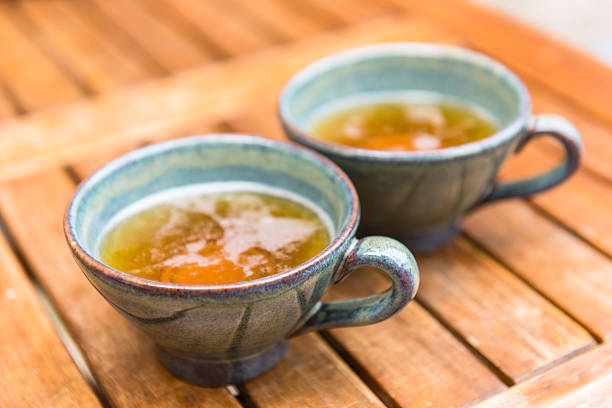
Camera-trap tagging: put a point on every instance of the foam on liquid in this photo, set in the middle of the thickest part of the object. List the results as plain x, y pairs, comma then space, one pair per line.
400, 121
215, 233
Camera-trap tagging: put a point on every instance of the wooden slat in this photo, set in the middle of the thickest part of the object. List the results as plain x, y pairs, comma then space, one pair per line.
471, 292
85, 166
235, 37
319, 387
171, 50
121, 355
530, 52
583, 203
46, 139
567, 202
583, 382
260, 116
350, 11
311, 375
287, 21
95, 53
559, 265
512, 326
376, 348
596, 135
37, 370
7, 109
30, 75
411, 357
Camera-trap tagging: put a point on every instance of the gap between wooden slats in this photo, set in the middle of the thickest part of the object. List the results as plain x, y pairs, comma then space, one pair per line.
286, 20
36, 369
151, 108
566, 206
102, 56
267, 390
9, 106
531, 326
237, 35
170, 49
584, 381
122, 358
43, 83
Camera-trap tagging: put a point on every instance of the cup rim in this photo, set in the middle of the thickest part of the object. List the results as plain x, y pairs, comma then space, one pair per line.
418, 49
345, 232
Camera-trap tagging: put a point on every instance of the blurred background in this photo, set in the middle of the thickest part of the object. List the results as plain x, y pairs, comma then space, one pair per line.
586, 24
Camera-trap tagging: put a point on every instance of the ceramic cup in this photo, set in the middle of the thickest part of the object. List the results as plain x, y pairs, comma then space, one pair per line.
221, 334
420, 197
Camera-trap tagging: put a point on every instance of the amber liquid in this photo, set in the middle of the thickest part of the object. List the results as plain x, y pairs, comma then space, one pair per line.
404, 125
215, 238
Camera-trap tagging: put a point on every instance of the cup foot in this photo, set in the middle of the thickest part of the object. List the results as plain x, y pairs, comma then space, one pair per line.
212, 373
431, 240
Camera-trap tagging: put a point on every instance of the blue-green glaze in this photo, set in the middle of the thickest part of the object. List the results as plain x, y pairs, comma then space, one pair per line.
420, 197
221, 334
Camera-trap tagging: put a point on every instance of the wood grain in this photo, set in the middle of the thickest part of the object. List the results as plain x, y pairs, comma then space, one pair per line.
311, 370
528, 51
411, 357
596, 134
529, 64
572, 274
311, 375
501, 308
149, 111
7, 108
84, 167
350, 11
288, 22
259, 117
121, 355
513, 327
583, 382
108, 351
170, 49
37, 370
237, 36
94, 53
568, 201
30, 75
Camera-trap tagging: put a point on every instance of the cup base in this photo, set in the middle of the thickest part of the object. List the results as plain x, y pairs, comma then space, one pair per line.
420, 243
432, 240
212, 373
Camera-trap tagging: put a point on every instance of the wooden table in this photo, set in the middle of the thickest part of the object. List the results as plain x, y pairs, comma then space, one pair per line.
517, 311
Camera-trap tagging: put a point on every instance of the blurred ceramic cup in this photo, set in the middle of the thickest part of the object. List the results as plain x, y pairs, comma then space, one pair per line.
420, 197
221, 334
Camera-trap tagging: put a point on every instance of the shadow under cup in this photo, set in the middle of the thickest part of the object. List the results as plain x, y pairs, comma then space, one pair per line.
220, 334
420, 197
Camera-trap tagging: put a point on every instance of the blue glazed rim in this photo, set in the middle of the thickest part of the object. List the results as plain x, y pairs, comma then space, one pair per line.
345, 232
325, 64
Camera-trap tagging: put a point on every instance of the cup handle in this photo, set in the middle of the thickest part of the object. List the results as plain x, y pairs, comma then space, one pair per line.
390, 257
543, 125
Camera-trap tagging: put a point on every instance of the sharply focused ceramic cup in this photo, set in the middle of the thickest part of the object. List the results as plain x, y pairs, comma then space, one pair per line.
420, 197
221, 334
